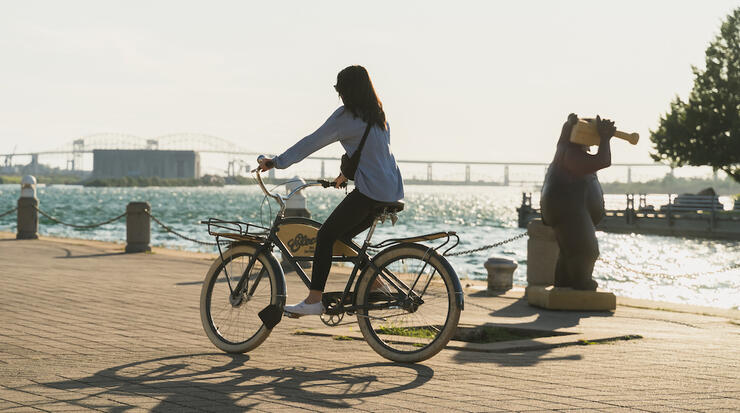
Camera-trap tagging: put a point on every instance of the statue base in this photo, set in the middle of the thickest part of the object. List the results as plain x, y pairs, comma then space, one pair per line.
553, 298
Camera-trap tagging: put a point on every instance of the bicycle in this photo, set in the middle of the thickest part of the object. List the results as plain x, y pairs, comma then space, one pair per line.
407, 297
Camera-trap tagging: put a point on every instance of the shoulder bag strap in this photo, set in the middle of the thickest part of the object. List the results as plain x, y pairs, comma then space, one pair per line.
362, 142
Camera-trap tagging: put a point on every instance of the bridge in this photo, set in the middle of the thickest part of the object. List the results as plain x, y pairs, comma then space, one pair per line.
234, 159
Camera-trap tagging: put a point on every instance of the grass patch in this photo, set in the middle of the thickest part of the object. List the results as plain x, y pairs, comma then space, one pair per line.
342, 338
417, 332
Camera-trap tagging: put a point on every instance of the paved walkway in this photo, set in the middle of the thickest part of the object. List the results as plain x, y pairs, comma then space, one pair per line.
86, 327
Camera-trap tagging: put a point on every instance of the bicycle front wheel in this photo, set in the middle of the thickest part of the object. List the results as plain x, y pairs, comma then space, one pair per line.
231, 321
406, 309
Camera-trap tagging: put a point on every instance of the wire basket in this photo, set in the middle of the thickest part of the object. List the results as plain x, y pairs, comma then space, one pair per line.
236, 230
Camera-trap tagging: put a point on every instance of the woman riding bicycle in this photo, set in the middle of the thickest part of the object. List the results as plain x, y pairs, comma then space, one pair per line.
377, 179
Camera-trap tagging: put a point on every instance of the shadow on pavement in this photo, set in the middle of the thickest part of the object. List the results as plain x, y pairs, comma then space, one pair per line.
203, 381
547, 320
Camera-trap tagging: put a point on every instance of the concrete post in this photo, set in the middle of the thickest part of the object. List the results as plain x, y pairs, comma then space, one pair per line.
296, 206
28, 214
500, 273
138, 229
542, 254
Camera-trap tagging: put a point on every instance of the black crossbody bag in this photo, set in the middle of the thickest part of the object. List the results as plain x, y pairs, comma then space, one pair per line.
349, 163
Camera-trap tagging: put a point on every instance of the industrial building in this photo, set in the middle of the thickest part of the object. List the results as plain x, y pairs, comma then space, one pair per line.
145, 163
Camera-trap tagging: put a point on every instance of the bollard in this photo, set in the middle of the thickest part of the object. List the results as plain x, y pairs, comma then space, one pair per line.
28, 213
542, 254
296, 206
138, 230
500, 273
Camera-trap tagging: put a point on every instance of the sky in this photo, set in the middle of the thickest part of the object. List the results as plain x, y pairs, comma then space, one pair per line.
459, 80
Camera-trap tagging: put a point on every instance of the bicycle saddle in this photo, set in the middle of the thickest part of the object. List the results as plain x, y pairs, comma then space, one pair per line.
389, 207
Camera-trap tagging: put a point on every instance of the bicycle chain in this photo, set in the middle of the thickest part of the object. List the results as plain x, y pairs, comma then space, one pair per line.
79, 226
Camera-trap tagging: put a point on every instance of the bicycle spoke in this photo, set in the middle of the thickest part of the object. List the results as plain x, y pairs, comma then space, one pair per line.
233, 320
394, 319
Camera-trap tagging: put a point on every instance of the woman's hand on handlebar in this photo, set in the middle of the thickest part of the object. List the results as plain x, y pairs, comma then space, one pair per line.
265, 164
341, 181
332, 184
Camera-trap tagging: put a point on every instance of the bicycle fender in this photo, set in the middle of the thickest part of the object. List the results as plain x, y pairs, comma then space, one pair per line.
456, 286
459, 295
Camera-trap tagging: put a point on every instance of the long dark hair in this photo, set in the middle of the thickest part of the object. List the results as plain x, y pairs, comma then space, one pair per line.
358, 94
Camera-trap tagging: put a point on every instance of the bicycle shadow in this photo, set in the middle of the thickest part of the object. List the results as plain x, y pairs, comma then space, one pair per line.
546, 320
187, 381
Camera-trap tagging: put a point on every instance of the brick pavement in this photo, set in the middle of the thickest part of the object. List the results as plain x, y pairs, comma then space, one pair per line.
86, 327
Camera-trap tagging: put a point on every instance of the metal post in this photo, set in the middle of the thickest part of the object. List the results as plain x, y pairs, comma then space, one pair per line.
28, 213
506, 175
322, 170
467, 173
429, 172
138, 229
629, 174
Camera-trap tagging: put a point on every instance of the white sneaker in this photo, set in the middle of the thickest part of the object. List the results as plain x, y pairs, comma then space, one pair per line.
305, 309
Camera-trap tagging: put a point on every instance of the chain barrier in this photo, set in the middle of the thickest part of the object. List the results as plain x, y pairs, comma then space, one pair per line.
79, 226
8, 212
666, 275
168, 229
488, 247
483, 248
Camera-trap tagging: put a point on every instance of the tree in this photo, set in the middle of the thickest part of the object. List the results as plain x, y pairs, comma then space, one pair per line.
705, 130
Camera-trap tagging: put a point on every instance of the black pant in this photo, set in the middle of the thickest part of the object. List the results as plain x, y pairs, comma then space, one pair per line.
352, 216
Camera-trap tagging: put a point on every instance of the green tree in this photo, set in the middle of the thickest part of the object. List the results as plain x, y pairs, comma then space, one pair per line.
705, 130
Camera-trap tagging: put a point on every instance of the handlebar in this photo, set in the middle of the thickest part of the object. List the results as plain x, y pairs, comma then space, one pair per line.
282, 198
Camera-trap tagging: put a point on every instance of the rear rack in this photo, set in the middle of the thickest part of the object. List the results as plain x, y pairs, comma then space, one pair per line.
236, 230
420, 238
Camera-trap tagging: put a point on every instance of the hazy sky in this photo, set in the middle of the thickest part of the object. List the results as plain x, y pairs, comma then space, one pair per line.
460, 80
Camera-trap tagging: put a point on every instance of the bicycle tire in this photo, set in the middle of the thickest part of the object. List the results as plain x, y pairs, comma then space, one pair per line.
408, 334
237, 328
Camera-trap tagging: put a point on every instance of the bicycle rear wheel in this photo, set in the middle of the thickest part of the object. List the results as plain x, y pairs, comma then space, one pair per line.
407, 310
232, 322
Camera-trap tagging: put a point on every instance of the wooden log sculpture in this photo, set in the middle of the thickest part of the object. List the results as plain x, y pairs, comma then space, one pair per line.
585, 133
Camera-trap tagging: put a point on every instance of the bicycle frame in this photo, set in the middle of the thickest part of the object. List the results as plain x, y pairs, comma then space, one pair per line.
360, 260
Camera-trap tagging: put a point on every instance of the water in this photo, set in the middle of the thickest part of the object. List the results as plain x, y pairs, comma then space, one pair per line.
480, 215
